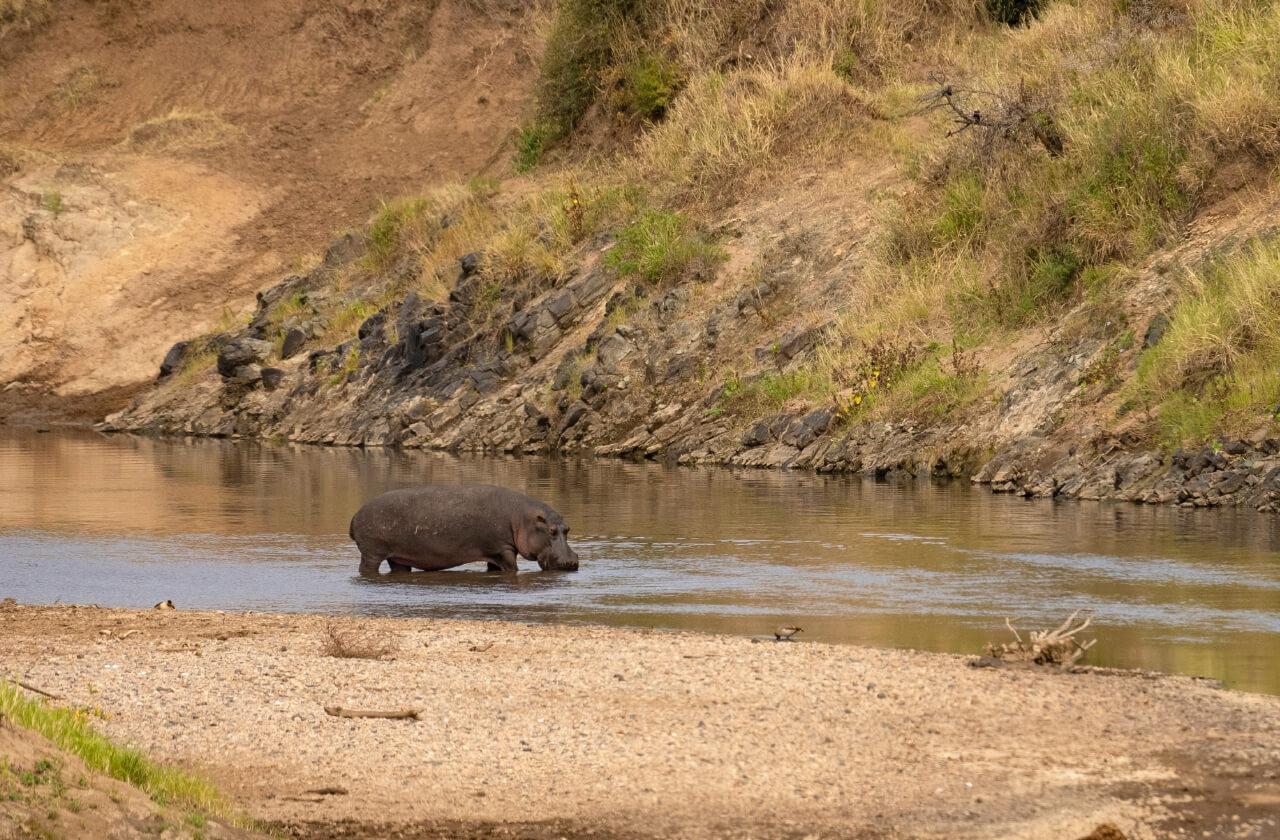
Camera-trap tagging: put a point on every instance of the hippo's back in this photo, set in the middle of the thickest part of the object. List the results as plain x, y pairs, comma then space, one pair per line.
441, 512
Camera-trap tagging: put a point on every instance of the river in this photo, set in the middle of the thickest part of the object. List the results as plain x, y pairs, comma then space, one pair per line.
128, 521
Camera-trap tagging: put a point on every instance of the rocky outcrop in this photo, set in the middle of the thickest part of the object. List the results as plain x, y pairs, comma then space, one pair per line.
595, 365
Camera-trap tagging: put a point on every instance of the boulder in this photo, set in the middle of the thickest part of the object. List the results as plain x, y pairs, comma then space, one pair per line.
613, 350
173, 359
240, 352
271, 377
293, 341
469, 263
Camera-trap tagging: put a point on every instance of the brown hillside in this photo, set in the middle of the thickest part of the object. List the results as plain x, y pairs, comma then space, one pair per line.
162, 161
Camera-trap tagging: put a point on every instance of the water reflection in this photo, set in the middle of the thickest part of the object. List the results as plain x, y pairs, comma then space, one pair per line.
129, 521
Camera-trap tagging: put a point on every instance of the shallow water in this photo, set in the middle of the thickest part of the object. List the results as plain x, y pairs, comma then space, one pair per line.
128, 521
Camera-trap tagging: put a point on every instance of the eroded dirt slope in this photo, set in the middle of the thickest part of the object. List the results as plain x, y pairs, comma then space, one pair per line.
160, 162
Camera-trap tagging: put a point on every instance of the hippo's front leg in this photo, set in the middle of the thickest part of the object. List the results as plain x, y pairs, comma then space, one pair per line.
505, 563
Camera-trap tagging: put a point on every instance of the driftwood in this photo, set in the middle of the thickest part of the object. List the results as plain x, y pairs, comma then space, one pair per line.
397, 714
1045, 647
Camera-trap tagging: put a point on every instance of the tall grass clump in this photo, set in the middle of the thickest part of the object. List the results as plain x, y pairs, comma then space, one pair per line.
729, 129
1143, 124
660, 247
69, 730
1216, 366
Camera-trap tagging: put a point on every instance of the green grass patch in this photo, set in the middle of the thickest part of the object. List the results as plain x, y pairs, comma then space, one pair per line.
69, 730
1215, 369
660, 247
391, 226
772, 390
532, 141
52, 202
347, 318
349, 364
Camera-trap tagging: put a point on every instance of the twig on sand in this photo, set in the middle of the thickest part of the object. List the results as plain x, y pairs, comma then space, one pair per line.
396, 714
32, 688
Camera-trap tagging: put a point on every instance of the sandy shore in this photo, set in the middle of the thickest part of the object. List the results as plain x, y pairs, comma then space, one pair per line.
554, 731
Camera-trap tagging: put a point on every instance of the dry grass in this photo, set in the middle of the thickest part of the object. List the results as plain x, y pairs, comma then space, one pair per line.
347, 641
23, 15
181, 131
728, 132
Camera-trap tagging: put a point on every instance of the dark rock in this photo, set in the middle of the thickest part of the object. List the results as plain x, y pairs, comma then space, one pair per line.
1236, 447
239, 352
561, 305
757, 435
375, 324
271, 378
469, 263
294, 339
798, 341
245, 376
681, 366
564, 373
173, 359
574, 413
805, 430
1155, 330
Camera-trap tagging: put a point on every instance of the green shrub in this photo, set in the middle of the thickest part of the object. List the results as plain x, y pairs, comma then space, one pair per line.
661, 246
579, 47
389, 227
650, 82
1013, 12
531, 141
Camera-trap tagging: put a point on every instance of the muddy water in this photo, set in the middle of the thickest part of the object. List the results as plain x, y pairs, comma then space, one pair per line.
125, 521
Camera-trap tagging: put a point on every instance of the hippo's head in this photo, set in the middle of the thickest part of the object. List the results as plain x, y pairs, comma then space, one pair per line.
547, 543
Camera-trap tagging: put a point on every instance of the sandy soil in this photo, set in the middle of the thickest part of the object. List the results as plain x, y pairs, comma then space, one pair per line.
567, 731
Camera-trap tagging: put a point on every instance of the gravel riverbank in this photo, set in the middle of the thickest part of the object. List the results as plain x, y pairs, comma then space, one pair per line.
571, 731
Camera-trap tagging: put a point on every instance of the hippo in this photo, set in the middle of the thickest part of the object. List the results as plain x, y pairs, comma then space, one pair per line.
441, 526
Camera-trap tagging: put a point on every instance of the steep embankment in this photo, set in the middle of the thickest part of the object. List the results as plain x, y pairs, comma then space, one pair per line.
1031, 244
161, 162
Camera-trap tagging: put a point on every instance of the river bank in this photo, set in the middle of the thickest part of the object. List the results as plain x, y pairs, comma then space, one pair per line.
550, 731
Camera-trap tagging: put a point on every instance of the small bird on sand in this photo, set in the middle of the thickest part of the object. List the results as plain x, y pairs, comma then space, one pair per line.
786, 631
164, 605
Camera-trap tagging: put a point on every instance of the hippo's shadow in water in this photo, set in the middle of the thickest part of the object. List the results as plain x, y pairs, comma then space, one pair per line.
469, 579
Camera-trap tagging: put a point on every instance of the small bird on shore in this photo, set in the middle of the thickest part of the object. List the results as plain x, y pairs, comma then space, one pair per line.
164, 605
786, 631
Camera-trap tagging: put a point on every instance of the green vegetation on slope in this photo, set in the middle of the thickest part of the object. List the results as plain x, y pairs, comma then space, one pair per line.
70, 730
1217, 368
1104, 124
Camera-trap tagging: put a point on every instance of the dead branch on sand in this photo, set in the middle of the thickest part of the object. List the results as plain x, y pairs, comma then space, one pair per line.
34, 690
1046, 647
397, 714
